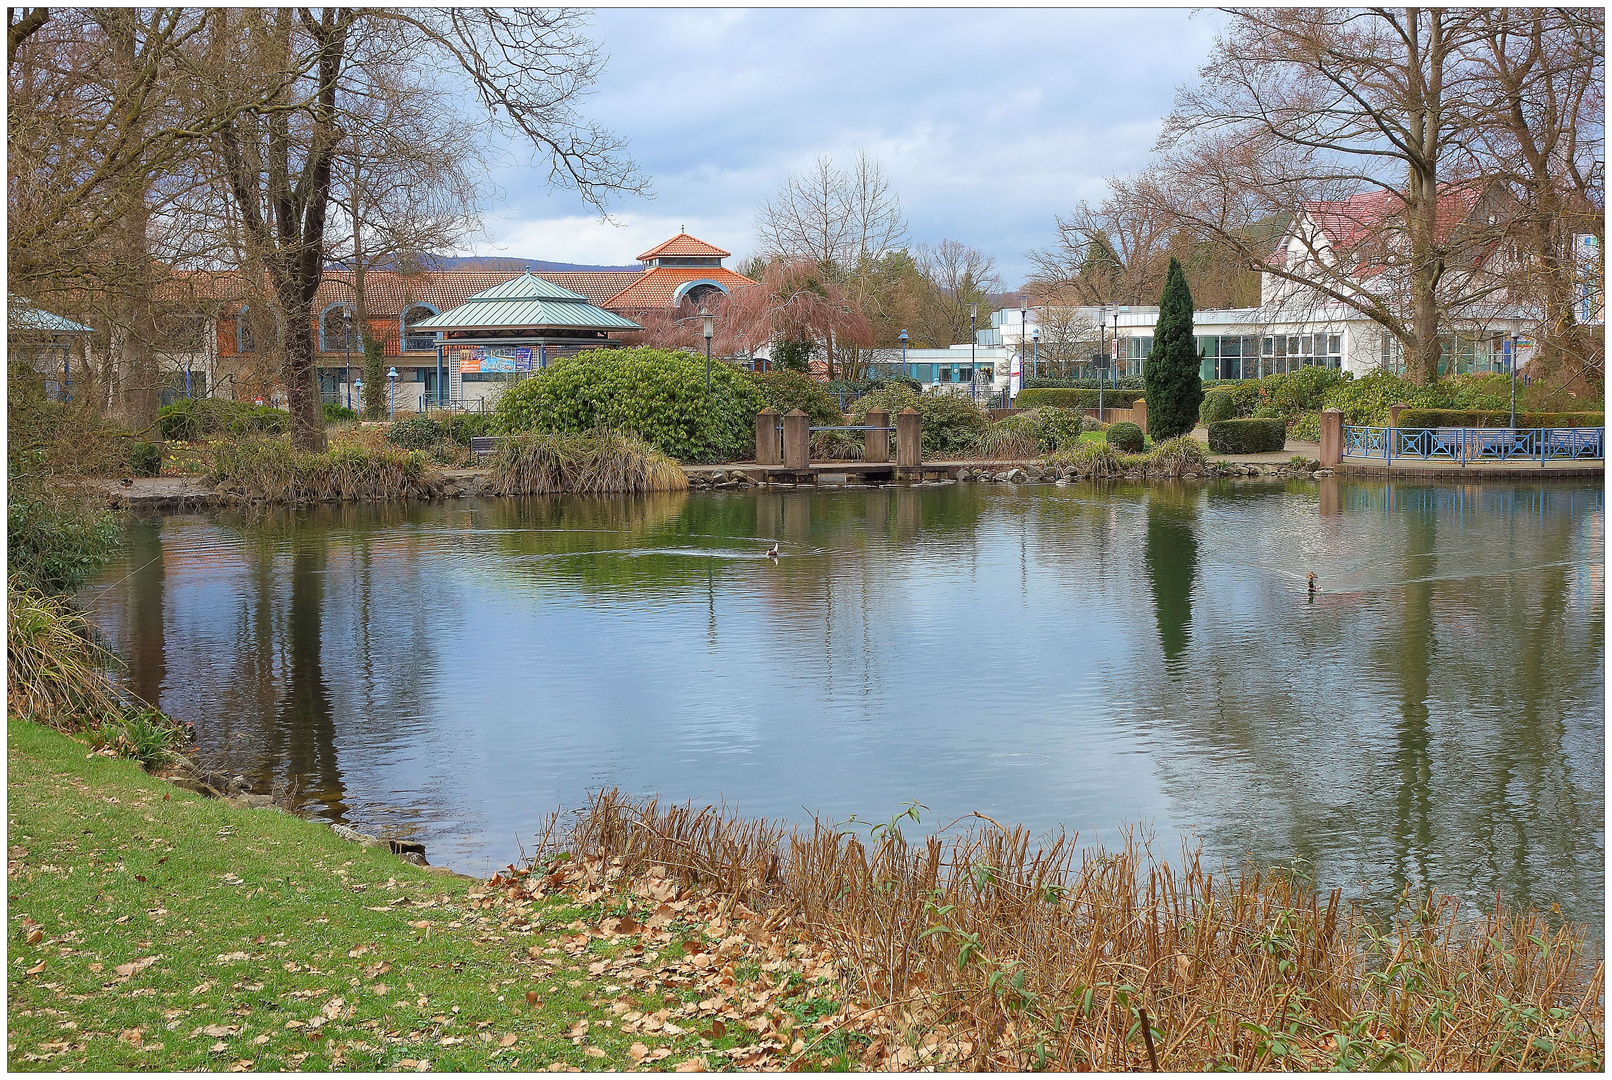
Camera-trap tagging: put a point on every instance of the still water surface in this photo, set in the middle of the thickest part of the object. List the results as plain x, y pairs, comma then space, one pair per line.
1086, 657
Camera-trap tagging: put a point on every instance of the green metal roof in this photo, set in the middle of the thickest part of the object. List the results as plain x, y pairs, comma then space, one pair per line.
22, 315
526, 301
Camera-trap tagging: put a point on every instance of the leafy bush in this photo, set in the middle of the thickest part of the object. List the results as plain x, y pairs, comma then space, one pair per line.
1218, 404
1477, 418
336, 413
1078, 399
1367, 400
1126, 437
659, 394
57, 538
787, 390
145, 459
1304, 390
1306, 427
462, 427
951, 423
415, 433
195, 418
586, 463
855, 388
1247, 436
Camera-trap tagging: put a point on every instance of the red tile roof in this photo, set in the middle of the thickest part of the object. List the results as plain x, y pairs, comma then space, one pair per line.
655, 287
685, 245
597, 285
1346, 222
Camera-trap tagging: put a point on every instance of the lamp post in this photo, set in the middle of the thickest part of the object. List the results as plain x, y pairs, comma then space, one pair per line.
973, 313
1024, 328
710, 331
1035, 350
358, 387
905, 373
391, 380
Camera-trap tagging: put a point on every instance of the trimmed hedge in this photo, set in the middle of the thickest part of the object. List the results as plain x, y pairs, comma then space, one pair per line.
1065, 398
1217, 405
1480, 418
1049, 382
1125, 437
1248, 436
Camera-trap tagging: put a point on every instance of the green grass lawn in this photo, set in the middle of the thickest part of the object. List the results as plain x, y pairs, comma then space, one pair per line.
154, 929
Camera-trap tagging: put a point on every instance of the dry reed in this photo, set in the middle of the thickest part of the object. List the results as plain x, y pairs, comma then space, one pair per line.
270, 471
980, 950
583, 463
56, 672
837, 446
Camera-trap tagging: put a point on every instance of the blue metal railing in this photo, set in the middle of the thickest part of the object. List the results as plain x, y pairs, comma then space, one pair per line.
1465, 445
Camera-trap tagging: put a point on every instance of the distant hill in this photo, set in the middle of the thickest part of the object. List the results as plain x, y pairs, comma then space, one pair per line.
501, 262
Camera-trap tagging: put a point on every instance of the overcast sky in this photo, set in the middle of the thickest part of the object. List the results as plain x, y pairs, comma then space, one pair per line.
988, 122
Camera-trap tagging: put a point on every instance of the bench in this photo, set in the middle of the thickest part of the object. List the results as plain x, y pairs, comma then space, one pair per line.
483, 445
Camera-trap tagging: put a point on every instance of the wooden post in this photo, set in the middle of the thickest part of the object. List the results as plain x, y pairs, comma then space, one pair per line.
768, 451
797, 439
877, 441
1139, 414
909, 439
1393, 415
1331, 438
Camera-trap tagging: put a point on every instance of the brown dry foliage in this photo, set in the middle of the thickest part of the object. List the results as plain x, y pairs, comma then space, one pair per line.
982, 951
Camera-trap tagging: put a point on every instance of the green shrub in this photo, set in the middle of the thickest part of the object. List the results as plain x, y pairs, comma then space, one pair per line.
1247, 436
787, 390
1126, 437
1078, 399
1306, 427
951, 423
336, 413
145, 459
1174, 388
415, 433
1049, 382
1479, 418
1304, 390
1367, 400
1218, 404
462, 427
57, 537
659, 394
196, 418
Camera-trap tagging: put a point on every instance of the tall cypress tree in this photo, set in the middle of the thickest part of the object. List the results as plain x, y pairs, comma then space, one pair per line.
1170, 374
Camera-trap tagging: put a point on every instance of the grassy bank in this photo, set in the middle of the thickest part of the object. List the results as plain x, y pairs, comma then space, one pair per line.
269, 470
153, 929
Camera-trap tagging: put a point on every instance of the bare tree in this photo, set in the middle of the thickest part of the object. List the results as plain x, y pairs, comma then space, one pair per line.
529, 68
843, 222
957, 275
1318, 106
1068, 339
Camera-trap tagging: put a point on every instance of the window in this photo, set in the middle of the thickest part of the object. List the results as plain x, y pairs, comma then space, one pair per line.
337, 332
1392, 354
244, 341
421, 341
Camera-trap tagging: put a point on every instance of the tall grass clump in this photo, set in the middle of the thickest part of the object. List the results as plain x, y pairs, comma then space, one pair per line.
583, 463
269, 470
1096, 460
55, 668
980, 950
1027, 434
837, 446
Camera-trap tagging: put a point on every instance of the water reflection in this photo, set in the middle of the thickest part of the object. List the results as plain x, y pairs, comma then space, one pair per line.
1085, 656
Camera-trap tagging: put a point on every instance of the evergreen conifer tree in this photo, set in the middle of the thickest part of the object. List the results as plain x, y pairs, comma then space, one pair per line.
1170, 374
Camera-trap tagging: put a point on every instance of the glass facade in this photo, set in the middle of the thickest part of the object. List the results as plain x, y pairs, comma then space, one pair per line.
1459, 354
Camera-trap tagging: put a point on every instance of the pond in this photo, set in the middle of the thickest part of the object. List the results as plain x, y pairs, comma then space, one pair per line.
1089, 657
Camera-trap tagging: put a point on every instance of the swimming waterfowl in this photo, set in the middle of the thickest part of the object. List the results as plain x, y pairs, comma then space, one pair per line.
772, 552
1314, 582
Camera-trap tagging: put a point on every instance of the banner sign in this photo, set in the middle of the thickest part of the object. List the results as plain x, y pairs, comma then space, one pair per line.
475, 359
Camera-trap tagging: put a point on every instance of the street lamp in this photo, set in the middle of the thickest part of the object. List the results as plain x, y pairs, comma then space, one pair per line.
358, 388
391, 379
904, 372
1035, 349
973, 313
710, 331
1024, 322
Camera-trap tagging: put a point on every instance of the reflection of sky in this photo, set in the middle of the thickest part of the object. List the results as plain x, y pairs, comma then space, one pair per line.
971, 649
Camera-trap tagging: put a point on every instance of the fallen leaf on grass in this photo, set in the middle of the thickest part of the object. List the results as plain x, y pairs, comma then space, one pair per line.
509, 1040
134, 967
243, 1065
691, 1065
132, 1036
594, 1051
35, 937
532, 998
233, 957
37, 968
216, 1031
260, 1040
637, 1051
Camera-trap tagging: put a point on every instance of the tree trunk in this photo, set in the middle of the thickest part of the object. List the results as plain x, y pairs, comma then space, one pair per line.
300, 372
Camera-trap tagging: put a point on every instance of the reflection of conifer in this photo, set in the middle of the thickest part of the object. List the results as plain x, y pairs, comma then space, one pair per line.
1170, 558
